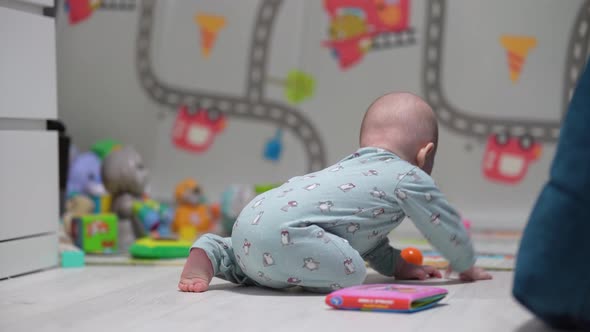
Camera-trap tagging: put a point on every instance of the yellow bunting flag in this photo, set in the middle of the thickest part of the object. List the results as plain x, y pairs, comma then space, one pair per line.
517, 50
210, 25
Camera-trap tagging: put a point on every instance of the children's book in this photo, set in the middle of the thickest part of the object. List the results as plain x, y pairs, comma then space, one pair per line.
386, 297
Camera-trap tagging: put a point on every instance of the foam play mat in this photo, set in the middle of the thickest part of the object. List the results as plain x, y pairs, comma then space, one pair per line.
495, 251
492, 262
128, 260
489, 261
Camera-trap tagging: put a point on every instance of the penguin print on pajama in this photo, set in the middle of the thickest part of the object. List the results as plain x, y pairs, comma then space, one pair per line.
373, 234
311, 186
267, 259
455, 240
347, 187
371, 172
257, 203
353, 227
415, 177
378, 193
348, 266
289, 205
246, 247
378, 212
386, 159
401, 194
325, 206
360, 211
256, 219
336, 169
321, 235
335, 286
311, 264
285, 238
435, 219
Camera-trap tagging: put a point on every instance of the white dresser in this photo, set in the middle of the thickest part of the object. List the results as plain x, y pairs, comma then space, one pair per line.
29, 210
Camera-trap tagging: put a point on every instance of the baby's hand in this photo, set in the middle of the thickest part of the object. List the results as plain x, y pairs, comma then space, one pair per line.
405, 270
473, 274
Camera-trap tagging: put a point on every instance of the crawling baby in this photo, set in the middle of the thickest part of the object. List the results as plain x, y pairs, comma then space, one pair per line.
317, 230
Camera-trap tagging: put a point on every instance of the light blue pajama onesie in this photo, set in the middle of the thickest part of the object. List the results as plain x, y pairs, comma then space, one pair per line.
317, 230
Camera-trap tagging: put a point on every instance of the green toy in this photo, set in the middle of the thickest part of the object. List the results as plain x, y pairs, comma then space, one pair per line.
96, 233
103, 147
261, 188
299, 86
70, 255
72, 258
160, 248
154, 216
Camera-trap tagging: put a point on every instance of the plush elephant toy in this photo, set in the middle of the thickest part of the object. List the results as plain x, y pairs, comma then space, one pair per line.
84, 175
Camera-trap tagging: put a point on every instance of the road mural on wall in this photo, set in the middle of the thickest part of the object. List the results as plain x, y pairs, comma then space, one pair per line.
512, 144
253, 105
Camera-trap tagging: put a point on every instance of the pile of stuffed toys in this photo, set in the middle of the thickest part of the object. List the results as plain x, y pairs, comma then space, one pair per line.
111, 180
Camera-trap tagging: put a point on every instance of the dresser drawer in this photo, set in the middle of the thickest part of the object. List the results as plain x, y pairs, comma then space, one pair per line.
41, 3
28, 255
27, 65
29, 193
29, 3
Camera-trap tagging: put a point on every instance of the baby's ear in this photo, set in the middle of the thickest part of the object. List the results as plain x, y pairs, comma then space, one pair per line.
424, 153
425, 157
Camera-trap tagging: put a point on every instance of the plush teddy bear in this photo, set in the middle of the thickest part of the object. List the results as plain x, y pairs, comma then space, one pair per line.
125, 177
193, 215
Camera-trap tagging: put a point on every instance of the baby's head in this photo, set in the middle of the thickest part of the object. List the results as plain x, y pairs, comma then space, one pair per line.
404, 124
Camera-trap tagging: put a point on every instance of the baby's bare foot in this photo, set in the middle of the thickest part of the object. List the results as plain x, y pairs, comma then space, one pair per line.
197, 272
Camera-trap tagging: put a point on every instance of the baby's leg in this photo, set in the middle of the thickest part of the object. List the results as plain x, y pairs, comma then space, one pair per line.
342, 265
211, 255
303, 256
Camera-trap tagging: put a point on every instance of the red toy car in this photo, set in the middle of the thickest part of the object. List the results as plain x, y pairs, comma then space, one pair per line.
195, 129
354, 23
507, 159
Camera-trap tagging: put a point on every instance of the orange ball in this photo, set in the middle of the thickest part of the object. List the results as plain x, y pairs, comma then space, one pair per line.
412, 255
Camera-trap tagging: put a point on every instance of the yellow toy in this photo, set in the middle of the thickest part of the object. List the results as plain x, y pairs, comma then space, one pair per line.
76, 206
193, 216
